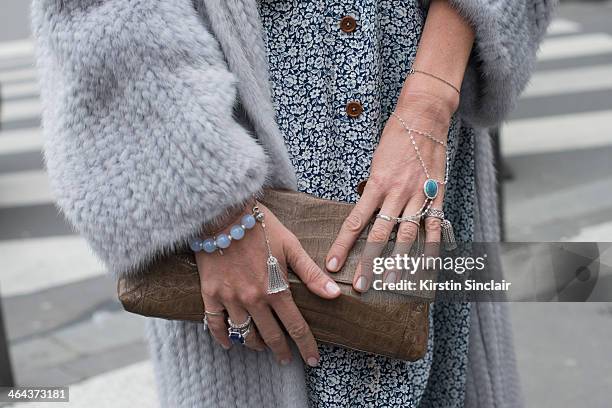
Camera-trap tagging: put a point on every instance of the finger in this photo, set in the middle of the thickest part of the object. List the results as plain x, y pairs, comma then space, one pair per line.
352, 227
239, 315
296, 326
433, 227
313, 277
271, 333
407, 234
216, 323
377, 239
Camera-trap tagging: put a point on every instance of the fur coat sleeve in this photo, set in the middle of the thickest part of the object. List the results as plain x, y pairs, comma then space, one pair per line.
508, 35
140, 143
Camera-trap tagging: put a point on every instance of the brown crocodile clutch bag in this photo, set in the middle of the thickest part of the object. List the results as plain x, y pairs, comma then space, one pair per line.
379, 322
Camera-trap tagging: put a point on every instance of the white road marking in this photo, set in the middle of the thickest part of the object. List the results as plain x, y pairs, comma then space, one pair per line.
557, 133
565, 205
17, 48
20, 74
109, 390
563, 26
20, 141
24, 188
575, 46
594, 233
19, 89
34, 264
21, 109
562, 81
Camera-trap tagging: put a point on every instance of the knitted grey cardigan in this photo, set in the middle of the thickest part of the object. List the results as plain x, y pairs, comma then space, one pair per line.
143, 146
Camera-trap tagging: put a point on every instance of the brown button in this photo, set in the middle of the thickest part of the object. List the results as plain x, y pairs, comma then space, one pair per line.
354, 109
348, 24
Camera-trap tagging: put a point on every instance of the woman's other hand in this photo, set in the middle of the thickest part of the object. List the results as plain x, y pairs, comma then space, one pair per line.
397, 177
237, 281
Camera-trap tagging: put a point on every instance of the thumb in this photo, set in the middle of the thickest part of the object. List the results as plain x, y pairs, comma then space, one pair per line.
313, 277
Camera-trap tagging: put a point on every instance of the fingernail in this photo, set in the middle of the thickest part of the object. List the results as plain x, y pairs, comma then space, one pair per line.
313, 361
284, 361
332, 264
225, 346
390, 277
361, 283
332, 288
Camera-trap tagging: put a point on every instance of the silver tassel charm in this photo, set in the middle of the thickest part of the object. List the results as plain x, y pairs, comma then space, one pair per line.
448, 235
276, 278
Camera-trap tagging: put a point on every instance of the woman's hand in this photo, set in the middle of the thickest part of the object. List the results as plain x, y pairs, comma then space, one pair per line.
396, 179
237, 282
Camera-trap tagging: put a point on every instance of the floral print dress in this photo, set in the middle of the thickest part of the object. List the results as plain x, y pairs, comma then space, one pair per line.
336, 71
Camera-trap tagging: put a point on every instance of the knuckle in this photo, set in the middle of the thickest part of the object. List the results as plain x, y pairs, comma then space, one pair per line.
299, 332
311, 274
407, 232
432, 224
275, 340
376, 183
379, 233
228, 296
353, 222
210, 290
251, 297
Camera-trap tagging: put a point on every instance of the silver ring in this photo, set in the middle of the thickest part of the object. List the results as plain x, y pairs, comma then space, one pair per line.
219, 313
242, 325
409, 218
386, 217
415, 222
208, 313
435, 213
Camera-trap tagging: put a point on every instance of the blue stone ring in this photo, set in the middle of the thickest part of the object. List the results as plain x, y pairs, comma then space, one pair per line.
430, 188
237, 333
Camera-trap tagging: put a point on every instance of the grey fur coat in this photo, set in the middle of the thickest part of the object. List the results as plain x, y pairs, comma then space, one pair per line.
143, 146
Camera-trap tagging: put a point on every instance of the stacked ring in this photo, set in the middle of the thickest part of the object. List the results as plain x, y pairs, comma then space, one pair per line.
238, 333
435, 213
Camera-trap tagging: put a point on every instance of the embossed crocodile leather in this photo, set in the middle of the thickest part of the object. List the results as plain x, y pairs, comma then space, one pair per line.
379, 322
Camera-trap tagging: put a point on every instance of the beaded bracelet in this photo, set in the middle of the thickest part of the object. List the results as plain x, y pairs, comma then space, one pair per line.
223, 241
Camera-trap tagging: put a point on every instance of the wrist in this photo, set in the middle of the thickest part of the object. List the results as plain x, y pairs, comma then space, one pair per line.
229, 217
425, 112
431, 95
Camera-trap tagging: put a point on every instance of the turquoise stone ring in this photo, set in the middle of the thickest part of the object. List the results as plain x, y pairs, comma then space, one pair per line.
430, 188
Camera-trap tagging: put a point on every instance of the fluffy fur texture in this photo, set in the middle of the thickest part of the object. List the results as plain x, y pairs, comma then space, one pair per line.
142, 148
508, 33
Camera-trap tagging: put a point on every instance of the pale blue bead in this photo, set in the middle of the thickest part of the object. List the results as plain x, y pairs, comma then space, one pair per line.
248, 221
209, 246
223, 241
237, 232
195, 245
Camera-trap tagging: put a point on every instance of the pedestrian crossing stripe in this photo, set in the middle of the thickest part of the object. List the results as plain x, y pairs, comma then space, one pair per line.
564, 81
575, 46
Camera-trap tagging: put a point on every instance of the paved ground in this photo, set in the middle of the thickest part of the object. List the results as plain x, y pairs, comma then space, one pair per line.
65, 326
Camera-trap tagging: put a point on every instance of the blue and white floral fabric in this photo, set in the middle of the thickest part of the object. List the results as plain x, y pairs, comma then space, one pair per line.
316, 69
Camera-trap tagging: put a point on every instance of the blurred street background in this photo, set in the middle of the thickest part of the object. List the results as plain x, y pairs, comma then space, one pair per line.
65, 326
